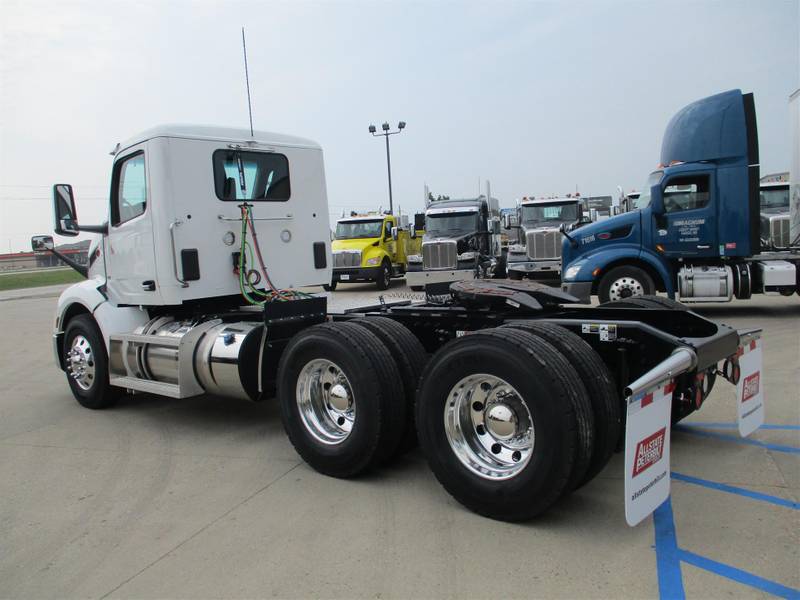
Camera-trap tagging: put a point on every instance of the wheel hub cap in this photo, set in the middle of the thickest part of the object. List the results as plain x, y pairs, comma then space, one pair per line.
79, 361
625, 287
489, 426
325, 399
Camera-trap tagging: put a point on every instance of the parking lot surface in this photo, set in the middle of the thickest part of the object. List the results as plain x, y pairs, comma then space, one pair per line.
203, 497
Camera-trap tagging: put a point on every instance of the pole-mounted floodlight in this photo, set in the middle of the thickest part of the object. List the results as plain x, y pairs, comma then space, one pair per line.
386, 133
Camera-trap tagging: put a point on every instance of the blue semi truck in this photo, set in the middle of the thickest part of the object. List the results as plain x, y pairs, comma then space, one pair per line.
695, 230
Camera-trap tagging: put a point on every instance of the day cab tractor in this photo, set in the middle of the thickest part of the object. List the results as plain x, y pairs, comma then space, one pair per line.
696, 230
537, 254
462, 241
515, 395
372, 247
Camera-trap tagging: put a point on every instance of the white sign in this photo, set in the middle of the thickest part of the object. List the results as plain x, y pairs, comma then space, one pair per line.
344, 277
750, 389
647, 433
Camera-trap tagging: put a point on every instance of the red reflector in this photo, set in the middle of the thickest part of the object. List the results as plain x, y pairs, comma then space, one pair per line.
603, 236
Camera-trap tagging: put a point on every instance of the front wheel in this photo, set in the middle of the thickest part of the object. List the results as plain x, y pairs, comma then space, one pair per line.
625, 282
385, 276
86, 364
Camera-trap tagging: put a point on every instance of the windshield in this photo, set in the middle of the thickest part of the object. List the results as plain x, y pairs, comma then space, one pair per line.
348, 230
553, 213
451, 224
776, 197
643, 201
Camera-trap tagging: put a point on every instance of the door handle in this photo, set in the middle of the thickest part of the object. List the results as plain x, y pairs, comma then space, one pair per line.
149, 285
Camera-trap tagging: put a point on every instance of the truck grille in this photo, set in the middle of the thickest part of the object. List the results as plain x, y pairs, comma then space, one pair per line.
347, 258
779, 231
439, 255
544, 244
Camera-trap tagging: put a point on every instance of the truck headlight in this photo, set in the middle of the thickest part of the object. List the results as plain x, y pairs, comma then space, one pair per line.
516, 249
414, 258
573, 270
466, 256
374, 260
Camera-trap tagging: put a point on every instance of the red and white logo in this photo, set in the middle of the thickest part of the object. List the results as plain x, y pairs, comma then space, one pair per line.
751, 386
649, 451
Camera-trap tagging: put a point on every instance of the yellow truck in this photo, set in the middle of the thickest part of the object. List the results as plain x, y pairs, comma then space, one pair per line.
372, 247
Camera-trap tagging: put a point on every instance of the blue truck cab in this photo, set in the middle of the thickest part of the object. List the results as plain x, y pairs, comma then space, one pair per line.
695, 229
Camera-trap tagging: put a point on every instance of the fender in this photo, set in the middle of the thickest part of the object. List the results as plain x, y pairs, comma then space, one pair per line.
606, 256
86, 297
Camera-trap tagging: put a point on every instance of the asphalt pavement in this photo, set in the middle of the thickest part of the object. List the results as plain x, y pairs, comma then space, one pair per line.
203, 497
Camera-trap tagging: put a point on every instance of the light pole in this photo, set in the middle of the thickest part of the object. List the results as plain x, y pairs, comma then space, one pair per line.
386, 133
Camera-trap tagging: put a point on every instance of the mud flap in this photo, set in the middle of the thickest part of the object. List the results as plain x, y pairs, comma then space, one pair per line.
750, 387
647, 437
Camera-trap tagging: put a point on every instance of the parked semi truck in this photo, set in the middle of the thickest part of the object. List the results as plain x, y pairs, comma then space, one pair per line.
516, 396
537, 253
372, 247
696, 230
462, 240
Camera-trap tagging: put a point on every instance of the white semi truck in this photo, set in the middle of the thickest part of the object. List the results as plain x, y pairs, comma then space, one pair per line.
195, 287
537, 253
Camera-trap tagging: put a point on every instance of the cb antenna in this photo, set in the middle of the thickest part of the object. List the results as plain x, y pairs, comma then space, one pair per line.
247, 82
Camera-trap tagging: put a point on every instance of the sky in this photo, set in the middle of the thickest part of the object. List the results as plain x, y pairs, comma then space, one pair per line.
540, 98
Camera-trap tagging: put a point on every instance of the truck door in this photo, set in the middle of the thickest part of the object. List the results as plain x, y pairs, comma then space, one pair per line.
131, 267
389, 243
687, 226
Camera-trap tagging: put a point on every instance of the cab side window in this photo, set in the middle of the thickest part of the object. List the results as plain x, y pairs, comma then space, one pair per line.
129, 189
686, 193
387, 230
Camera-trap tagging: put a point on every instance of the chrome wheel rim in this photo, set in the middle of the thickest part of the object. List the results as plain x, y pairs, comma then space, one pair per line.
625, 287
489, 427
326, 402
80, 362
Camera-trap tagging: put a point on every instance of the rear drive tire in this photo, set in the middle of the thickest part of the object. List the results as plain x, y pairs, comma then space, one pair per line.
341, 398
496, 420
86, 364
625, 282
385, 276
410, 357
598, 381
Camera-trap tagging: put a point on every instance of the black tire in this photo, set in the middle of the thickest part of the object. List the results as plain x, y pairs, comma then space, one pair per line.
648, 302
597, 379
515, 275
410, 357
638, 282
376, 388
99, 393
330, 287
501, 271
550, 390
385, 276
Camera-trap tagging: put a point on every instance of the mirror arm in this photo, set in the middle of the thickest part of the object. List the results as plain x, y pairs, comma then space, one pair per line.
83, 270
572, 241
94, 228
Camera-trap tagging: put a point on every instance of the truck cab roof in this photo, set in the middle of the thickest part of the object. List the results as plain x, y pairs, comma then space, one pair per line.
536, 201
222, 134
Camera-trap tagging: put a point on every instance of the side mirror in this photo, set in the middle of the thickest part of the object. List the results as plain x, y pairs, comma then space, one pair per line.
412, 232
64, 208
394, 233
616, 210
562, 228
593, 214
42, 243
506, 221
